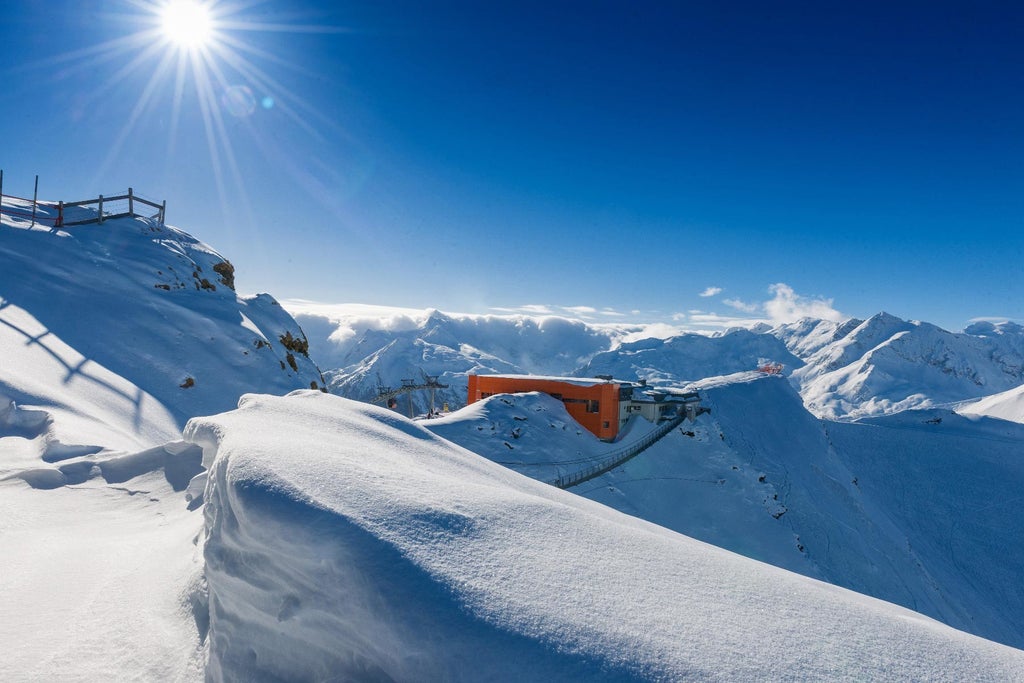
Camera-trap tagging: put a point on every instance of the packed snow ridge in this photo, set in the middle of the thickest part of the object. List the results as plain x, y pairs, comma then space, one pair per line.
444, 566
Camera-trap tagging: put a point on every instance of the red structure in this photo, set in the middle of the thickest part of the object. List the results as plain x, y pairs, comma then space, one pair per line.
594, 403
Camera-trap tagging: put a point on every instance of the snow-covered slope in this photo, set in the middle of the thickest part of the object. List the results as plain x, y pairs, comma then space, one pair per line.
1007, 405
112, 336
809, 335
123, 330
97, 582
343, 540
852, 504
952, 488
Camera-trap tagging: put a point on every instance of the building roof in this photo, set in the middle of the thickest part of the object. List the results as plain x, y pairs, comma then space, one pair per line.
579, 381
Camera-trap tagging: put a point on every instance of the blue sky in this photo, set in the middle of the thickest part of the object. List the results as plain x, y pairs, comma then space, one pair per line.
608, 157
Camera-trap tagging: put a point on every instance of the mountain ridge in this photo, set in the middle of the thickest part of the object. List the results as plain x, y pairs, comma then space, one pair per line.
843, 370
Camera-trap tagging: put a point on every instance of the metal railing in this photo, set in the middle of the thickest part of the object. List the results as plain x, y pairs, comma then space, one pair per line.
618, 457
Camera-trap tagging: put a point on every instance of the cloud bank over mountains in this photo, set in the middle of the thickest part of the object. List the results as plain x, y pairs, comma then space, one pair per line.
784, 306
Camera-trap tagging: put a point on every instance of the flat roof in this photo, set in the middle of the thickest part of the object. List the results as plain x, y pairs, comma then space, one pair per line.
579, 381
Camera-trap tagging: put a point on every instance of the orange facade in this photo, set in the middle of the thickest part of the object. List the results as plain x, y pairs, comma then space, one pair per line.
592, 403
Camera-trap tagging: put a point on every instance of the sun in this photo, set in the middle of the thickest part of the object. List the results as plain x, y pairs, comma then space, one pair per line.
187, 24
195, 65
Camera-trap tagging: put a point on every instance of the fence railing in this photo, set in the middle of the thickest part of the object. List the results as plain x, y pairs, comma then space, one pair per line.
106, 208
118, 206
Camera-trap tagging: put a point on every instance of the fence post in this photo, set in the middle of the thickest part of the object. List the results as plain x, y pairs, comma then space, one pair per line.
131, 203
101, 209
60, 215
1, 196
35, 196
163, 211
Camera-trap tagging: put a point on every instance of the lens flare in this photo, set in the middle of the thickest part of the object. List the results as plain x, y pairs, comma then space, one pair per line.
239, 101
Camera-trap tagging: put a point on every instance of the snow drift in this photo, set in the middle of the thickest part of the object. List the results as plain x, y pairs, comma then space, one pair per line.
343, 539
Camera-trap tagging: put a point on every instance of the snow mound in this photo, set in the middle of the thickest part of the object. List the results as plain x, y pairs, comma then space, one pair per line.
345, 541
533, 434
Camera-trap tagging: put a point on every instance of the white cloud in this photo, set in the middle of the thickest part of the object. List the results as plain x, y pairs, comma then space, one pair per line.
348, 311
995, 319
784, 306
711, 291
741, 305
586, 313
787, 306
652, 331
714, 320
350, 320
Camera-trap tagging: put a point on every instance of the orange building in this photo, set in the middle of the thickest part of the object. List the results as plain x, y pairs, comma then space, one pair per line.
594, 403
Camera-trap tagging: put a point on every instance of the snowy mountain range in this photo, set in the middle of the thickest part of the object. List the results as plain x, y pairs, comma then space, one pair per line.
180, 501
845, 370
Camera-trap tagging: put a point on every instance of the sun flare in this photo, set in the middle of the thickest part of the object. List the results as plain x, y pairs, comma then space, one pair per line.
194, 67
186, 23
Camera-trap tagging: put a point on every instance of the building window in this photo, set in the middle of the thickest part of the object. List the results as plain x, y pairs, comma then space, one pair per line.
606, 424
593, 406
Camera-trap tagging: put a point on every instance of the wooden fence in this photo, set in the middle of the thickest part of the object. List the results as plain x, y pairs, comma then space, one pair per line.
117, 202
117, 206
